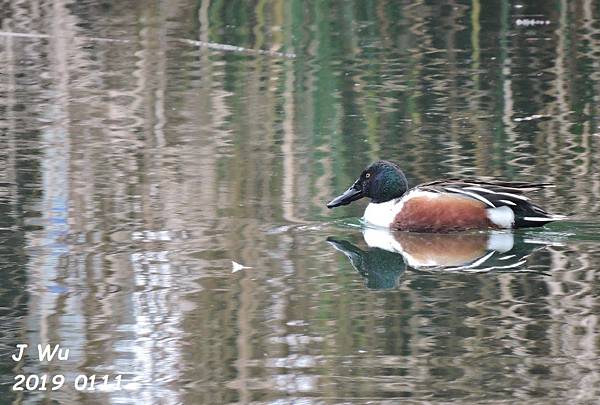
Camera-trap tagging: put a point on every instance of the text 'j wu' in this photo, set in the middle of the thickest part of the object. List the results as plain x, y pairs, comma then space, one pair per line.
45, 352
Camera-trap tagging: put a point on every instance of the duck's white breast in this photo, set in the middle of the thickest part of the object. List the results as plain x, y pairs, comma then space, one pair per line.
383, 214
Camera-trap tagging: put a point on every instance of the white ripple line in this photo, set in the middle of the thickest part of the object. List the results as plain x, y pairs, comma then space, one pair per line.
210, 45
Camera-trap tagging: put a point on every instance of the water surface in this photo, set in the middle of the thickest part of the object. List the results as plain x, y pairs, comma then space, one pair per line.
142, 156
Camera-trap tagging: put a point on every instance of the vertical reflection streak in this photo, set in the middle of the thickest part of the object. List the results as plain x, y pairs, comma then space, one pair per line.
55, 200
287, 146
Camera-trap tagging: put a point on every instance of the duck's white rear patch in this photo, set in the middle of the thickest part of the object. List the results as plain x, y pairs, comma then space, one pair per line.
383, 214
504, 217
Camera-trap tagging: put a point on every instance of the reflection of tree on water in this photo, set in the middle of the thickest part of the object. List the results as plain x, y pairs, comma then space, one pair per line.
389, 253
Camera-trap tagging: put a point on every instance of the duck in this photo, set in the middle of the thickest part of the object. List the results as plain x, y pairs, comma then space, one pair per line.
443, 205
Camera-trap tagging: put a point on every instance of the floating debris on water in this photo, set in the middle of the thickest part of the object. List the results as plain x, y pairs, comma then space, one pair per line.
235, 267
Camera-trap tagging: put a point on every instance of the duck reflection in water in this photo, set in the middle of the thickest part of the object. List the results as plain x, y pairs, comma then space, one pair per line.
390, 253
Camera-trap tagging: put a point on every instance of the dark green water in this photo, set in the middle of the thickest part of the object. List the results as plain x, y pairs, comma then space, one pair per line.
137, 164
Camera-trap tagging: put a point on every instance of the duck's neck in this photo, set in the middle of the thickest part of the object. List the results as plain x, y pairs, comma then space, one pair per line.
388, 186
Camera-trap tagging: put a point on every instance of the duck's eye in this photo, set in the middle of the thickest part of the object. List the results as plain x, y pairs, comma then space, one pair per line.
367, 175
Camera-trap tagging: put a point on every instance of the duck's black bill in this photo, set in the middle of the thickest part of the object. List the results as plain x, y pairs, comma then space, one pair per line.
354, 193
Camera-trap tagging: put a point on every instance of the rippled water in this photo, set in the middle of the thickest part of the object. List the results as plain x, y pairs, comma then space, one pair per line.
149, 145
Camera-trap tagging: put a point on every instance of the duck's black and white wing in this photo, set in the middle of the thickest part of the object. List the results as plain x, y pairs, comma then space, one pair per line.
506, 202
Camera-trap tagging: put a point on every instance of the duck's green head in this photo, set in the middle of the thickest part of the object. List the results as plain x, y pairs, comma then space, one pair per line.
382, 181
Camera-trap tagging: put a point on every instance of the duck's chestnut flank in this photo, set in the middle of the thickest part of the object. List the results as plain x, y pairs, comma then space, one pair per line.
443, 213
444, 205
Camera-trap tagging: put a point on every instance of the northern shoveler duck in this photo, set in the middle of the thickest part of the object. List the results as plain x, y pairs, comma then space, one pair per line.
444, 205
